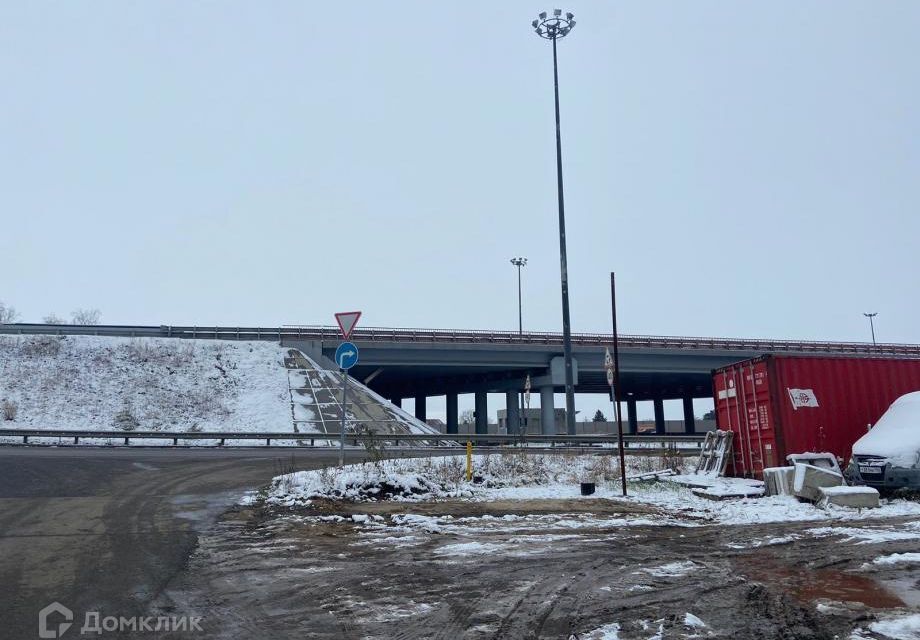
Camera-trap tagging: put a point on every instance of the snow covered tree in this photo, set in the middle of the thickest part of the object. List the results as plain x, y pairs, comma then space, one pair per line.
86, 316
8, 314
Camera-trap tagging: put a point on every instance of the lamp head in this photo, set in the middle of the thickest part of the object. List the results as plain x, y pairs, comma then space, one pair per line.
555, 26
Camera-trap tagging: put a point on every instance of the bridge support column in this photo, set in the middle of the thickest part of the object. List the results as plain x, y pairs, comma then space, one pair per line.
482, 412
421, 409
547, 411
452, 413
632, 417
512, 412
689, 419
659, 416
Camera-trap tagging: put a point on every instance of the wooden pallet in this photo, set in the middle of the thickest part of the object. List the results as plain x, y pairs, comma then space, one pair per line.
715, 453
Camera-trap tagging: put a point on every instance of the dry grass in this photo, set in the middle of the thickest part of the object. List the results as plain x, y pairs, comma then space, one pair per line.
9, 409
41, 347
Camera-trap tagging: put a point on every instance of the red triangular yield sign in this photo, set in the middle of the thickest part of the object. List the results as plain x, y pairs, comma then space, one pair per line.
347, 321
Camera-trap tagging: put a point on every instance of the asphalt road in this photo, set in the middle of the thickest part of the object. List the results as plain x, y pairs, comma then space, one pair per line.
107, 529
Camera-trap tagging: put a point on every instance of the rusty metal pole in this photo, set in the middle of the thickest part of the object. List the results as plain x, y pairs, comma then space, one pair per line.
618, 394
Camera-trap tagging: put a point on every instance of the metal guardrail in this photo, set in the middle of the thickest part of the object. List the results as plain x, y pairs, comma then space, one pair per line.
474, 336
432, 440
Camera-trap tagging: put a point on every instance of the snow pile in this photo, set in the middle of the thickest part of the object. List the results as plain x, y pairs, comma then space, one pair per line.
607, 632
386, 480
693, 621
679, 501
145, 384
868, 535
896, 435
897, 558
905, 627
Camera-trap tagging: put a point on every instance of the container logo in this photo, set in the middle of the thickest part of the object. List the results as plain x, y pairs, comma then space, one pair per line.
802, 398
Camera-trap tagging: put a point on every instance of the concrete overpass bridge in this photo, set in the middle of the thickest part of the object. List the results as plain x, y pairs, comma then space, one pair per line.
420, 363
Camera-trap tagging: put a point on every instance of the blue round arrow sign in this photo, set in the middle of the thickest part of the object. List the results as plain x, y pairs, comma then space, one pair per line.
346, 356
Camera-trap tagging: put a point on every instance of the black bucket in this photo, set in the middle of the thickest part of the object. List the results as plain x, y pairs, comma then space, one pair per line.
587, 488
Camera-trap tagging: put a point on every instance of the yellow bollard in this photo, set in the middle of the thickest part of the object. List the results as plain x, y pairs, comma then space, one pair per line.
469, 460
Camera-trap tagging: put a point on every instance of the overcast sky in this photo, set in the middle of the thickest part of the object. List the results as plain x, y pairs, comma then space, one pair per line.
748, 169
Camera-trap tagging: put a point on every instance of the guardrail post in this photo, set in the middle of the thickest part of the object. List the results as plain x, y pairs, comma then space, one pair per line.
25, 439
268, 442
221, 442
175, 442
76, 439
126, 441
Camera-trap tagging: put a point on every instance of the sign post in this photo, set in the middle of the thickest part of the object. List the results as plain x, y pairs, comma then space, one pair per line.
610, 366
346, 356
613, 379
527, 388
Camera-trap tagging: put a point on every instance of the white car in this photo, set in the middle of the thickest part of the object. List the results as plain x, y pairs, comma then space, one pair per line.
888, 457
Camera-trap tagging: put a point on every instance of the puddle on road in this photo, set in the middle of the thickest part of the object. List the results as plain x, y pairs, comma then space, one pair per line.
908, 588
808, 585
203, 508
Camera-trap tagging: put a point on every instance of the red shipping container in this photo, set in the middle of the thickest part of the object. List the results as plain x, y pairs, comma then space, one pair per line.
777, 405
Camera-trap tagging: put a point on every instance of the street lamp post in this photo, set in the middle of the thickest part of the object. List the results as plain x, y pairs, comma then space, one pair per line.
872, 324
520, 262
553, 28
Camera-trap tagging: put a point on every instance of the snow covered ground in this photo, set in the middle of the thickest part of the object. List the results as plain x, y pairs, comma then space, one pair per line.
513, 476
99, 383
91, 383
896, 627
522, 530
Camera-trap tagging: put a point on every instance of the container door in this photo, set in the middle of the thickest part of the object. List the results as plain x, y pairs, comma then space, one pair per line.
742, 399
760, 430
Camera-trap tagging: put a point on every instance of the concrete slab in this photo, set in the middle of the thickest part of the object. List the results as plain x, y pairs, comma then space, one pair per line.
729, 488
825, 460
778, 481
706, 481
854, 497
808, 479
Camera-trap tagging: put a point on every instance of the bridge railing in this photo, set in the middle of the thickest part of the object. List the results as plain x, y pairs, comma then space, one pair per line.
471, 336
387, 334
639, 444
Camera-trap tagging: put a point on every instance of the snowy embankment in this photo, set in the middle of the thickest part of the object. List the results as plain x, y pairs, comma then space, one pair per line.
514, 476
143, 384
